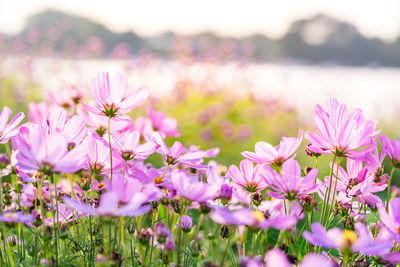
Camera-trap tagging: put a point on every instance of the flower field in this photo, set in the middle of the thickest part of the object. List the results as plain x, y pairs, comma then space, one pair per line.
102, 177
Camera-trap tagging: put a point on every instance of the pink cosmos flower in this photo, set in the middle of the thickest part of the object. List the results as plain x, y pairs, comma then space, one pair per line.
391, 219
357, 180
64, 216
98, 153
191, 189
244, 216
109, 206
100, 123
248, 177
129, 147
47, 153
129, 187
9, 130
38, 112
175, 155
290, 184
276, 257
74, 128
67, 96
143, 125
361, 241
265, 153
341, 133
151, 176
392, 149
10, 217
162, 124
114, 97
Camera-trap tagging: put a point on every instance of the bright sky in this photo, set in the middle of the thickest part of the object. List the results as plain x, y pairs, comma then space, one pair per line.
374, 18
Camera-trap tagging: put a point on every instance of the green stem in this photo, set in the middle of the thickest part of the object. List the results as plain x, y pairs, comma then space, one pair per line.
388, 189
199, 226
152, 239
109, 144
328, 193
178, 254
334, 192
10, 258
122, 237
54, 214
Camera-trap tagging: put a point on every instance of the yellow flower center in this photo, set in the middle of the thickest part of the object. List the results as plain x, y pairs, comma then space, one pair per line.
349, 237
158, 180
258, 215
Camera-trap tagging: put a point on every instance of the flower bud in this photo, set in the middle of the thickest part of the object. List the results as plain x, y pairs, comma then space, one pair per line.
204, 208
257, 198
18, 187
176, 205
308, 202
186, 223
162, 232
225, 193
224, 231
169, 245
4, 161
144, 236
342, 208
348, 223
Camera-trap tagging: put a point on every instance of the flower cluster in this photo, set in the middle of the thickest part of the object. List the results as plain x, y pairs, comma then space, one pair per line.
83, 182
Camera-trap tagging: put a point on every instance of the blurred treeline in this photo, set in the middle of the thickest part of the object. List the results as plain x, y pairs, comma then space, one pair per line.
316, 40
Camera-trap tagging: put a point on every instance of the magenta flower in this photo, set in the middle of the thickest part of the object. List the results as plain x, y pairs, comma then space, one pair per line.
98, 153
129, 187
143, 125
114, 97
341, 133
17, 217
250, 178
391, 219
64, 216
175, 155
186, 223
66, 97
151, 176
276, 257
392, 149
109, 205
290, 184
191, 189
357, 180
129, 147
47, 153
38, 112
162, 124
265, 153
361, 241
257, 219
100, 123
9, 130
74, 128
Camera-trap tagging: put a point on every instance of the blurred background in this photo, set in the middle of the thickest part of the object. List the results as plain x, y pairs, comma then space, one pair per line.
231, 72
